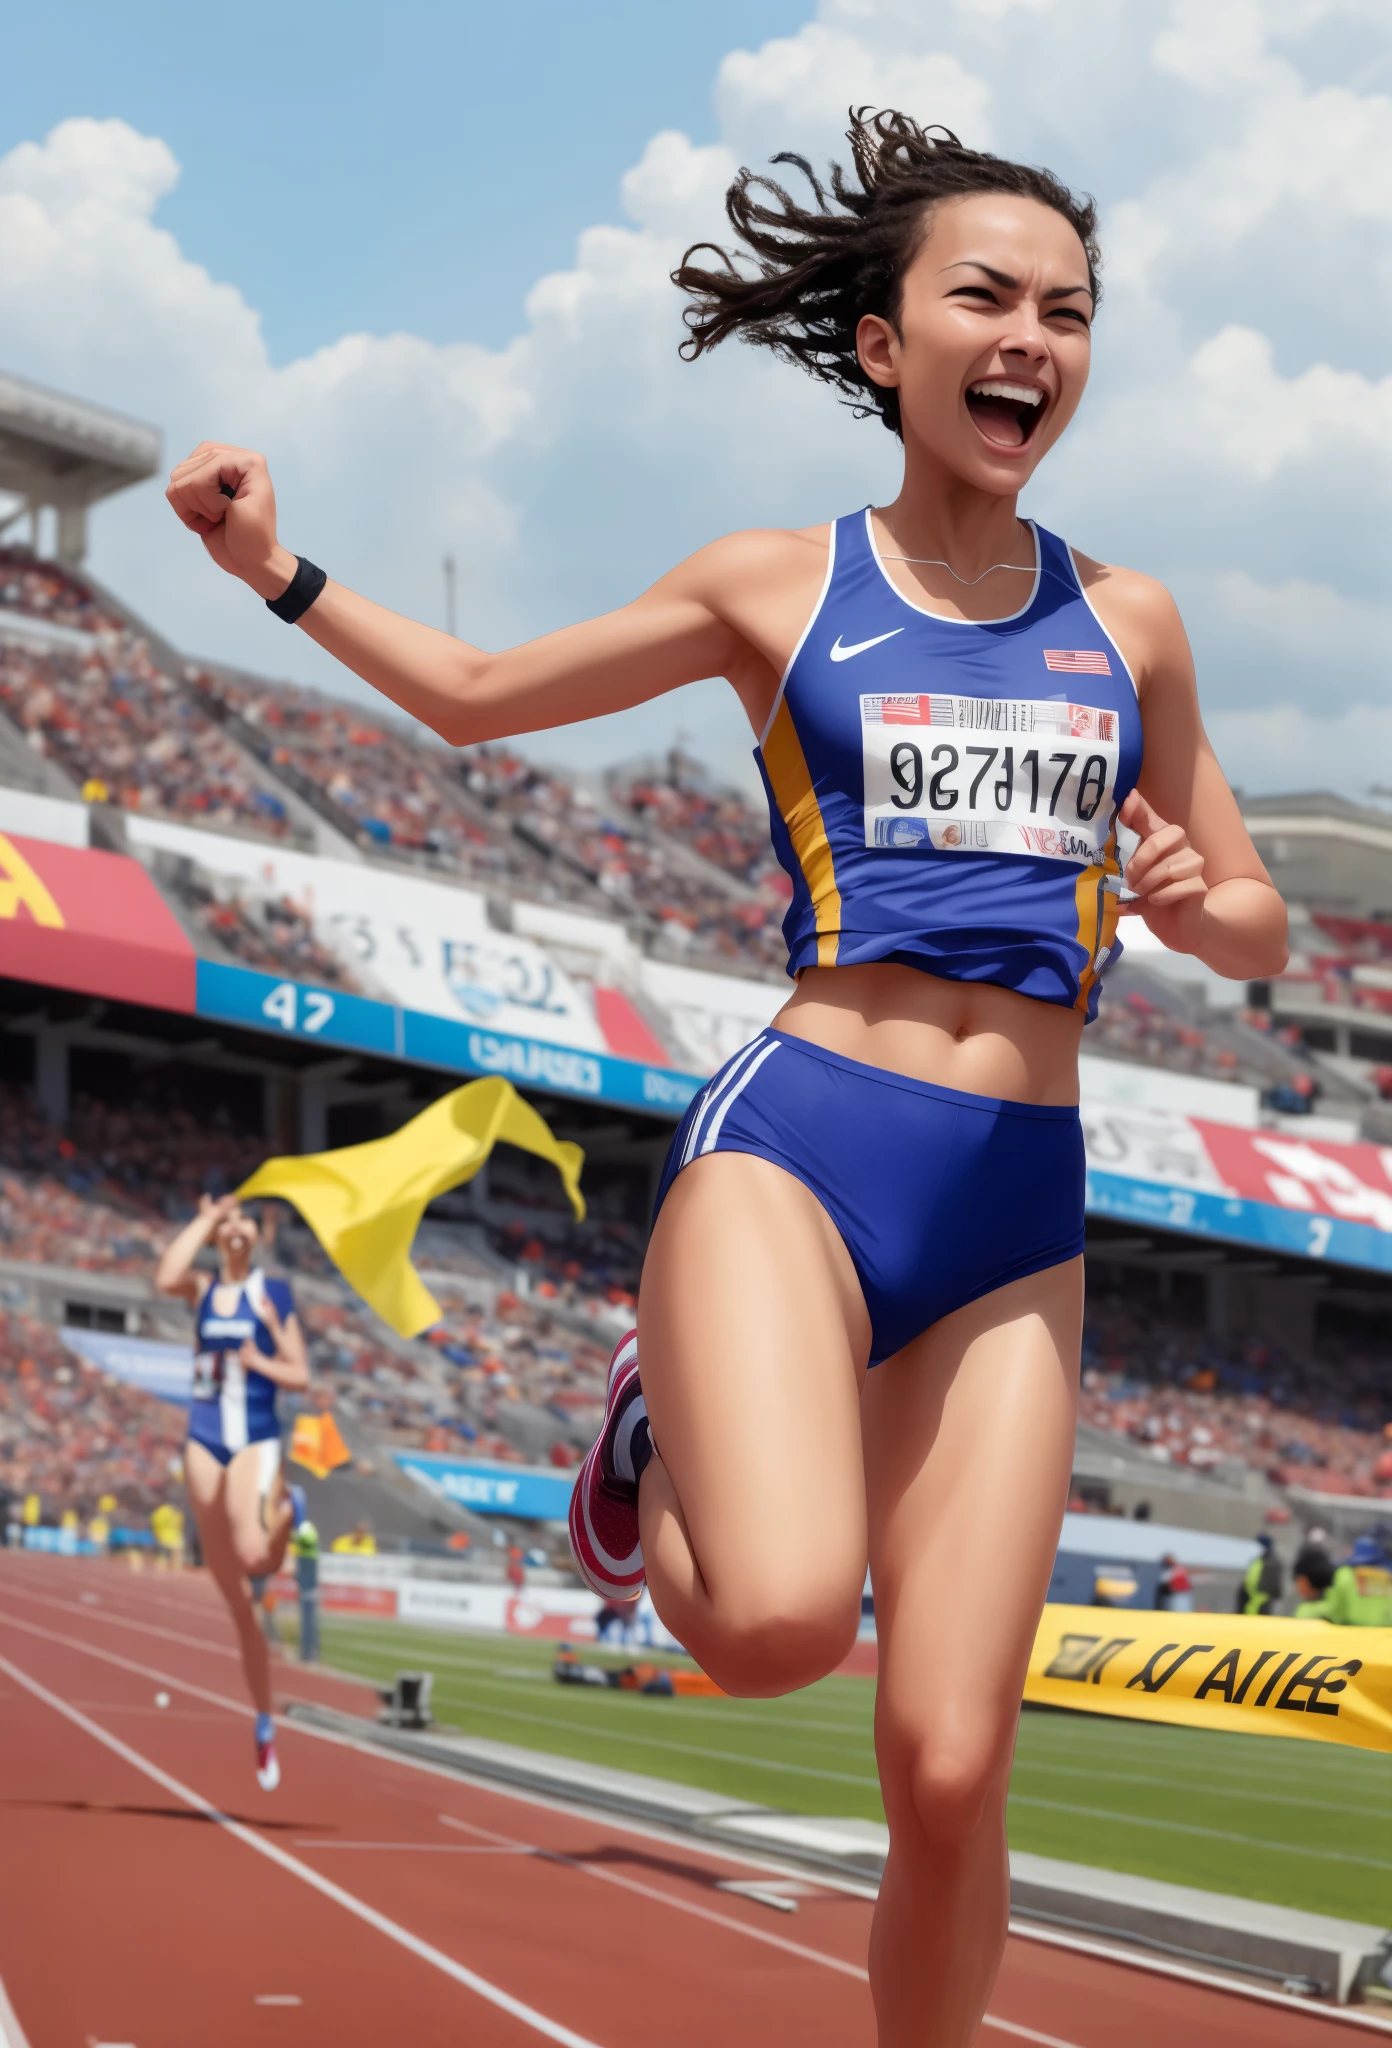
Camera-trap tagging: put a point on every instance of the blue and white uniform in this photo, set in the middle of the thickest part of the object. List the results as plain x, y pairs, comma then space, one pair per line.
233, 1406
942, 793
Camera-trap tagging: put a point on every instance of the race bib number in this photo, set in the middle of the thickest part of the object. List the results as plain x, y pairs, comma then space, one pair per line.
207, 1375
989, 774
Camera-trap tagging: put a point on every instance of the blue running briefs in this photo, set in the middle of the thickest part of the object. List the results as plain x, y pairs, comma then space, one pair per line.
938, 1196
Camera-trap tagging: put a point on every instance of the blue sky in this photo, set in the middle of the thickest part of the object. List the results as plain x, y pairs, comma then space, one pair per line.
421, 258
356, 166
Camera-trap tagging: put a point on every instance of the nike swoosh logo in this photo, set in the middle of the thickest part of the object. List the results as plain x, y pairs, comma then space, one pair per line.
840, 653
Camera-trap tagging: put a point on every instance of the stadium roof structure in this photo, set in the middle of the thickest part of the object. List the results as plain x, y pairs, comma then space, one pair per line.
67, 453
1325, 852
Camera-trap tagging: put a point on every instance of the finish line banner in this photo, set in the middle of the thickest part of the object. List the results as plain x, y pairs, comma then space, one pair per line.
1248, 1675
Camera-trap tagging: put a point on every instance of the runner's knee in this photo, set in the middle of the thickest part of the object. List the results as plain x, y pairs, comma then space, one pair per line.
775, 1636
943, 1777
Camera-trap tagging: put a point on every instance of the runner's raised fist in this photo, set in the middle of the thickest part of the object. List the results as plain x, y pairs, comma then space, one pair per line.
224, 495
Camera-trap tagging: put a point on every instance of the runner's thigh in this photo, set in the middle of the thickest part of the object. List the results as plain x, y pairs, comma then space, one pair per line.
969, 1445
752, 1340
251, 1478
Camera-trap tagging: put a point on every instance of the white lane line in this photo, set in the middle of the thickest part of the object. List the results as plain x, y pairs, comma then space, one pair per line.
277, 1998
48, 1635
664, 1898
1095, 1774
416, 1848
1158, 1966
492, 1788
1027, 2033
1184, 1827
493, 1994
12, 2034
148, 1628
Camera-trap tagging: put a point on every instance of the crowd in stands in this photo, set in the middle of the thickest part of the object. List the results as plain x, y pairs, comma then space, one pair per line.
43, 590
1323, 1422
1154, 1023
265, 931
487, 814
72, 1435
127, 735
501, 1373
516, 1367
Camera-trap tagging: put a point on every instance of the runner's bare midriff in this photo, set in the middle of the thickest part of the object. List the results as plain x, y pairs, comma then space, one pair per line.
971, 1036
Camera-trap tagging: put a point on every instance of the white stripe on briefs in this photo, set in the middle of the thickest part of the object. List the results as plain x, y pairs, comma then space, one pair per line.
714, 1090
713, 1134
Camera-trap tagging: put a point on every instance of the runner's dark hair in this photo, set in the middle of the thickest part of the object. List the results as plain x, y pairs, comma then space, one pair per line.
810, 272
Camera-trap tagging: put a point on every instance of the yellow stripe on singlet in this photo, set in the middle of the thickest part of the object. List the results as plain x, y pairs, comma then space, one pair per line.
1098, 911
802, 815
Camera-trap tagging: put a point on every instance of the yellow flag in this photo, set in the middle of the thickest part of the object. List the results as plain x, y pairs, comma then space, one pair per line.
364, 1202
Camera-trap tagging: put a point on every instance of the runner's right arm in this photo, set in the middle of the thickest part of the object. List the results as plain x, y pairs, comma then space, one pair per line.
175, 1272
734, 609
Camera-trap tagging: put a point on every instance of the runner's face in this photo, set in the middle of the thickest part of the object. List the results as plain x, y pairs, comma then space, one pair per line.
236, 1237
996, 297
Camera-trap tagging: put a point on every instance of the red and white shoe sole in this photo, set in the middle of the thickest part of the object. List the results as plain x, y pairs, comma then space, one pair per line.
603, 1531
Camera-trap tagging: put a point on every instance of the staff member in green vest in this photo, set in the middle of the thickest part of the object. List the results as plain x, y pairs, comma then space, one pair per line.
1262, 1582
304, 1544
1360, 1593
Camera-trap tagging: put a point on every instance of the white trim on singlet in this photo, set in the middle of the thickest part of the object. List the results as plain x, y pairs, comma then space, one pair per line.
812, 620
714, 1090
1102, 627
938, 617
713, 1134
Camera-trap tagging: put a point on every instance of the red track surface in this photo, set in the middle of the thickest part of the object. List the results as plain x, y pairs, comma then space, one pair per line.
151, 1895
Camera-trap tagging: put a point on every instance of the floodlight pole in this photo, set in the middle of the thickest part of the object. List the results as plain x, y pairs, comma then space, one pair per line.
449, 569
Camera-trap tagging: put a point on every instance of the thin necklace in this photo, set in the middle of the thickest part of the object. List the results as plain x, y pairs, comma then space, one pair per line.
928, 562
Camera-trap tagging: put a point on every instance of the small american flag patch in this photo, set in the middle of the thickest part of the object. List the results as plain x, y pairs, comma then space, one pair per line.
1077, 661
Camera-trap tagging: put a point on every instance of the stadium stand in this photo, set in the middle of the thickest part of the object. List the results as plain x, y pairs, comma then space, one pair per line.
46, 591
123, 732
1152, 1375
532, 1301
515, 1375
488, 816
515, 1369
72, 1435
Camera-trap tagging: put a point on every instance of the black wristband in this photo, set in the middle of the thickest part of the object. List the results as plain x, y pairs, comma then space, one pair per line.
299, 594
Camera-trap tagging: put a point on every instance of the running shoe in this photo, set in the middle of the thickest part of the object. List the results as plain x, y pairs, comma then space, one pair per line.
267, 1763
604, 1538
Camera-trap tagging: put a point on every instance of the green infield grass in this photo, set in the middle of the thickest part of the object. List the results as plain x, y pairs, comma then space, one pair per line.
1298, 1823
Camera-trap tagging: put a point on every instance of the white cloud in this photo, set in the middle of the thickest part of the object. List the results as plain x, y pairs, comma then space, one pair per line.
1236, 441
794, 91
1292, 747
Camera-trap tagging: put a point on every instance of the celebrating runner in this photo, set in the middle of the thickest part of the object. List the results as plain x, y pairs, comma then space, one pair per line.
859, 1325
247, 1343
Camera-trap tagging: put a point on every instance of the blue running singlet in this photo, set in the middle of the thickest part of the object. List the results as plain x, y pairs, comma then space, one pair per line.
232, 1406
944, 792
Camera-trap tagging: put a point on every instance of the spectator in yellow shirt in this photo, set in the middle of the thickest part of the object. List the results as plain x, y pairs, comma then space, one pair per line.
359, 1542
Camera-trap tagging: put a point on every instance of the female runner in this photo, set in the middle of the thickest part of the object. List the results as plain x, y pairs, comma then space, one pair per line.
247, 1342
953, 710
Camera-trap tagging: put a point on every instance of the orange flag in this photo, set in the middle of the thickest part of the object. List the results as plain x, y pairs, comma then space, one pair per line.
318, 1446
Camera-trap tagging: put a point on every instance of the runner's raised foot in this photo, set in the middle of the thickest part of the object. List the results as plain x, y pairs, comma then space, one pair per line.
604, 1538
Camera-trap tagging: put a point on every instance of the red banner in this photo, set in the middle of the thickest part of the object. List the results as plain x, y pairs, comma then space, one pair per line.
1352, 1182
94, 922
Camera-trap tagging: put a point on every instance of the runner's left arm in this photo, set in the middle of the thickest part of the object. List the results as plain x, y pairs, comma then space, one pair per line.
289, 1367
1199, 880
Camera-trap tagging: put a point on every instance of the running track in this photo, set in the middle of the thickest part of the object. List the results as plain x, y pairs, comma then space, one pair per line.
150, 1895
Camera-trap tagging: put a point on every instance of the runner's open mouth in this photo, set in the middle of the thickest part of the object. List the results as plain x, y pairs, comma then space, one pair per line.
1006, 413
